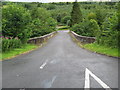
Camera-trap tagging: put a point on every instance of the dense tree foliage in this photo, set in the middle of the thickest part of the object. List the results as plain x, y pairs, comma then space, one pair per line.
102, 24
92, 16
15, 21
26, 20
118, 15
100, 16
66, 19
42, 22
76, 15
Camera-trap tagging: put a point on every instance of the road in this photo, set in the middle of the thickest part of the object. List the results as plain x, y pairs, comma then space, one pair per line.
61, 63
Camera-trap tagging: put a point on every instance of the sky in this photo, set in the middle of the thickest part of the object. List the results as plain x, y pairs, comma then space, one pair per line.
46, 1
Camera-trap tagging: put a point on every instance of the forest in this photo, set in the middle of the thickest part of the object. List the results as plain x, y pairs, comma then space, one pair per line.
21, 21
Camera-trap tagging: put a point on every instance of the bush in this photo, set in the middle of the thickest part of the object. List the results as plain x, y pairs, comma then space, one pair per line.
15, 18
95, 29
42, 22
92, 16
59, 16
118, 15
51, 6
100, 16
66, 19
110, 32
84, 28
8, 44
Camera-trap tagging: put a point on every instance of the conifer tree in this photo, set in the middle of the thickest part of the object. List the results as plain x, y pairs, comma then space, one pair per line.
76, 15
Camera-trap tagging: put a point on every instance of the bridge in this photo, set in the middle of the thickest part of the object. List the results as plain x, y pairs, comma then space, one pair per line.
61, 63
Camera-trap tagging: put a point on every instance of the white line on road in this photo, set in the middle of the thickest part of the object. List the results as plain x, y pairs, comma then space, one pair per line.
42, 66
87, 80
49, 83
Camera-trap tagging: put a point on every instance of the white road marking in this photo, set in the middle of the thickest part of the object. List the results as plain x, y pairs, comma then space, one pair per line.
49, 83
87, 80
42, 66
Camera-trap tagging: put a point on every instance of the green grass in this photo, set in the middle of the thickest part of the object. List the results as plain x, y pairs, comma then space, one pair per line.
102, 49
63, 27
12, 53
94, 47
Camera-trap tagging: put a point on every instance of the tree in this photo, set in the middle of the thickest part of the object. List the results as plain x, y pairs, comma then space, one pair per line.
92, 16
118, 22
94, 27
15, 18
76, 15
110, 32
42, 23
100, 16
40, 13
84, 28
66, 19
51, 7
118, 12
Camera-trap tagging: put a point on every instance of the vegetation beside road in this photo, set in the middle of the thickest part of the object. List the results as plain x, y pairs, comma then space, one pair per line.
22, 21
102, 24
94, 47
102, 49
63, 27
17, 51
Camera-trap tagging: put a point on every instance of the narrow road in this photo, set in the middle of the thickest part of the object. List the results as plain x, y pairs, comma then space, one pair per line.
61, 63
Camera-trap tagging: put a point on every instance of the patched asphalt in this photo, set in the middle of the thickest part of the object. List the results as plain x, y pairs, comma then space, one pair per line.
63, 65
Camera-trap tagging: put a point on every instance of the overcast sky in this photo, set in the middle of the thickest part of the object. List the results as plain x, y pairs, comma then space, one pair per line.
46, 1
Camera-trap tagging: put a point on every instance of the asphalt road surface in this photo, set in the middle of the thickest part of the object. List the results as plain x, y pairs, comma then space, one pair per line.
61, 63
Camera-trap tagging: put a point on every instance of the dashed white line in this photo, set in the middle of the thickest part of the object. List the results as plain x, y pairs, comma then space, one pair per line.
87, 80
43, 65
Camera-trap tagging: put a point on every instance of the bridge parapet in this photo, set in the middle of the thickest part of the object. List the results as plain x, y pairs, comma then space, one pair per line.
41, 39
83, 39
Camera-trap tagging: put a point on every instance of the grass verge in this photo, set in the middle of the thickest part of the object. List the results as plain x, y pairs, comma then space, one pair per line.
13, 53
102, 49
63, 27
94, 47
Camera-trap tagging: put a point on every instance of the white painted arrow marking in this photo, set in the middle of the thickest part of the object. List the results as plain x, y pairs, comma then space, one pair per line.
87, 80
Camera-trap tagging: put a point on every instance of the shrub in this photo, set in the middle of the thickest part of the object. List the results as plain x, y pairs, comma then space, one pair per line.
15, 18
92, 16
110, 32
84, 28
95, 29
66, 19
8, 44
51, 6
42, 22
118, 15
100, 16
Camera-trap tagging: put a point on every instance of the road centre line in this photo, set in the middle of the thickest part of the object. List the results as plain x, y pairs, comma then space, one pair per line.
87, 80
43, 65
